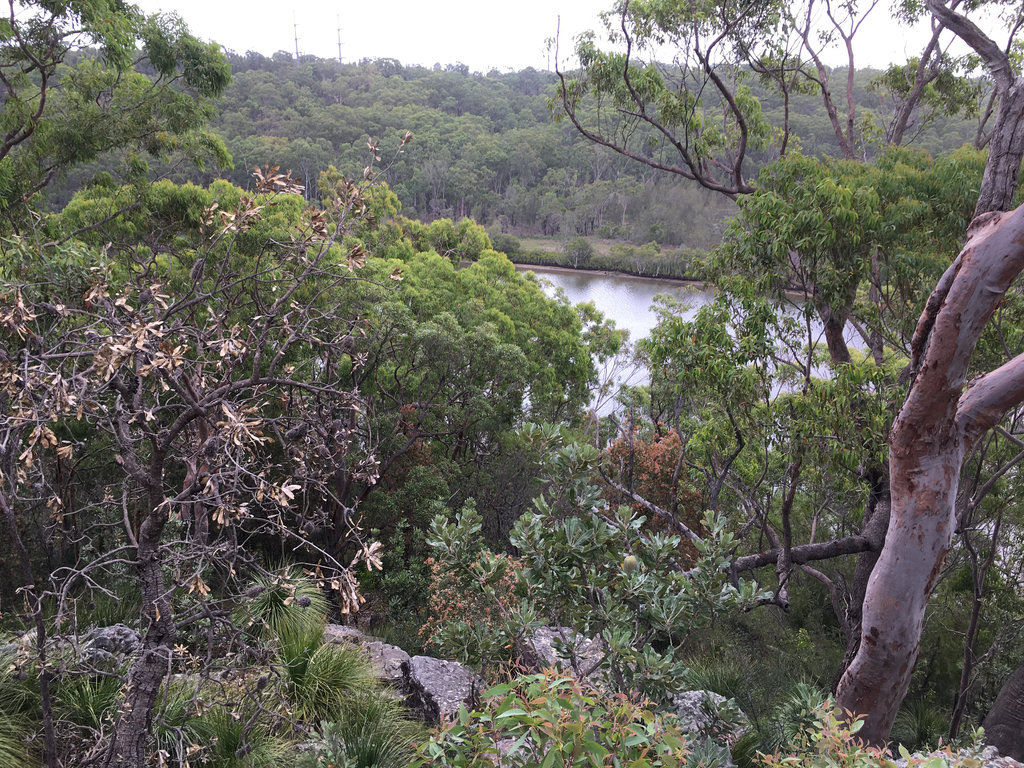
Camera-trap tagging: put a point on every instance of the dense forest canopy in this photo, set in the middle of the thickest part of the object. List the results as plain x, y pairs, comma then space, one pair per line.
264, 365
485, 146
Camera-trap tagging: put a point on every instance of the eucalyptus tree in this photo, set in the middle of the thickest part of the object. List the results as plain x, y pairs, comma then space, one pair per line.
803, 227
942, 420
87, 77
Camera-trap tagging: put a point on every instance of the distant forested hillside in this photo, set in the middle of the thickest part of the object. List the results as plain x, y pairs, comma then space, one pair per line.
484, 146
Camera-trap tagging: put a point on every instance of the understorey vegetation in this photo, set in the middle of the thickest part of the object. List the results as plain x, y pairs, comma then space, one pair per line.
241, 408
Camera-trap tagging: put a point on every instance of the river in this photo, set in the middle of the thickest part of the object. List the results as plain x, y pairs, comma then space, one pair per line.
627, 300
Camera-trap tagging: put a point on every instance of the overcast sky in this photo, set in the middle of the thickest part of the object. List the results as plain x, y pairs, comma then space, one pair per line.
479, 33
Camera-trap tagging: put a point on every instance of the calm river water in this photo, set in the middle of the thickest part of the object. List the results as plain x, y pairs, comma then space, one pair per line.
629, 302
625, 299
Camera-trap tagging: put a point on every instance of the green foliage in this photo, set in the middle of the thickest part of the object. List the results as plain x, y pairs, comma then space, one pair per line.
319, 677
920, 725
179, 726
67, 106
284, 602
569, 571
794, 717
104, 608
240, 740
578, 252
88, 701
328, 751
19, 702
539, 721
13, 748
370, 731
828, 742
472, 601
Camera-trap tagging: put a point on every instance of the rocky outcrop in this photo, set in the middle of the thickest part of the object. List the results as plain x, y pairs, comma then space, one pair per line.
435, 689
710, 714
540, 652
339, 633
385, 659
714, 722
115, 639
1004, 725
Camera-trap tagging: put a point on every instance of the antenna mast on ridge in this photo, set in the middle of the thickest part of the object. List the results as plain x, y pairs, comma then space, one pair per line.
296, 25
339, 38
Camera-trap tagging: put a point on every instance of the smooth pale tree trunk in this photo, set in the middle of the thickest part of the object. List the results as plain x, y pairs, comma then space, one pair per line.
939, 421
936, 426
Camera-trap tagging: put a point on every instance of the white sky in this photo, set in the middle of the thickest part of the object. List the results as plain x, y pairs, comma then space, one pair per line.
483, 34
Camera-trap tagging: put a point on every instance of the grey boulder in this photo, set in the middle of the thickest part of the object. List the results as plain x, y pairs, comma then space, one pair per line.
117, 638
435, 689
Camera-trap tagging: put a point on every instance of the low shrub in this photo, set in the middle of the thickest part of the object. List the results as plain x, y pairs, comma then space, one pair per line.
320, 677
544, 720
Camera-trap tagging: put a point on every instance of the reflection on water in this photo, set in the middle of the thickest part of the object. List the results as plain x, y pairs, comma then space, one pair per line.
629, 301
626, 300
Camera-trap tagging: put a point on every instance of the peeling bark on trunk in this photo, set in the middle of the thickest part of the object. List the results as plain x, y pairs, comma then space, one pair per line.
875, 529
939, 422
929, 439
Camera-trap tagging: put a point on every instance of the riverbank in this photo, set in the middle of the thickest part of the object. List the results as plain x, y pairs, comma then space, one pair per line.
605, 272
609, 256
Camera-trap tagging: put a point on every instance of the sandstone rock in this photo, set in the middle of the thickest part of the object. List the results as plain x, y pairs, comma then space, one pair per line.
387, 661
542, 654
714, 723
339, 633
435, 689
113, 639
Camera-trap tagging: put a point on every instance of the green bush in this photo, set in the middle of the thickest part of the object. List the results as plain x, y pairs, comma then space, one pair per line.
571, 571
507, 244
237, 739
578, 253
919, 725
178, 726
549, 719
102, 608
19, 703
87, 701
13, 748
827, 742
285, 599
